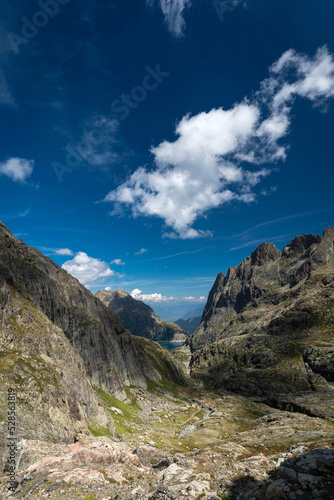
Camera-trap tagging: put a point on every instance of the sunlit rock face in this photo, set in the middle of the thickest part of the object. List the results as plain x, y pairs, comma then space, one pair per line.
268, 325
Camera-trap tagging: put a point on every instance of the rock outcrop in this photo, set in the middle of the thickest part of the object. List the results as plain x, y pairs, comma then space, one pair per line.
139, 318
268, 327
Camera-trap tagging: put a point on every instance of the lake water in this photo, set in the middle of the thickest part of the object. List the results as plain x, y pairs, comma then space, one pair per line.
171, 345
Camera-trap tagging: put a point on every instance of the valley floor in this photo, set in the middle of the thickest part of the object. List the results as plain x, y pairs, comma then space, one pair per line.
186, 443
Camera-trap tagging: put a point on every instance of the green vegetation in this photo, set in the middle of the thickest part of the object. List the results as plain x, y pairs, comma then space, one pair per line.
123, 423
88, 322
97, 430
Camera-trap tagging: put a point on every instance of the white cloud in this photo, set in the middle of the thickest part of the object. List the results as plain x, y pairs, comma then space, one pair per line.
118, 262
108, 288
158, 297
151, 297
173, 11
17, 169
63, 251
87, 270
203, 168
195, 299
141, 251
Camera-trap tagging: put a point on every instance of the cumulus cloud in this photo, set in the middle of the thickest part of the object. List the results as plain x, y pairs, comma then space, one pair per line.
205, 167
118, 262
88, 270
173, 11
17, 169
158, 297
151, 297
63, 251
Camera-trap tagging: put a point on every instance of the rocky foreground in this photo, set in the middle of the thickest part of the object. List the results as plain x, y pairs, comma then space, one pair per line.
185, 443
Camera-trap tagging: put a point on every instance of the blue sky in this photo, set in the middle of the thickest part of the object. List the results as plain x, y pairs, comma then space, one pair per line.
151, 145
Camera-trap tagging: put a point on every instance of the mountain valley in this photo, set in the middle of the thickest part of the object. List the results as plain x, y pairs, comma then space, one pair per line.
244, 410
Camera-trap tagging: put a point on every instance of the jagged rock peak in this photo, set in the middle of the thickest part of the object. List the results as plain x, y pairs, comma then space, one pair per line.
264, 253
119, 291
300, 244
329, 232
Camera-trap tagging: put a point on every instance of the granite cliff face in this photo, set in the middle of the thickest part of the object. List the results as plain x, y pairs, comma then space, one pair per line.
268, 325
61, 348
139, 318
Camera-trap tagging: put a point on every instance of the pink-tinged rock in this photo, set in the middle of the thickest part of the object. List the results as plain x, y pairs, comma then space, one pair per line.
42, 464
92, 453
83, 476
118, 476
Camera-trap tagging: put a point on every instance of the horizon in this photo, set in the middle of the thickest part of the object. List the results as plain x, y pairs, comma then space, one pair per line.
149, 148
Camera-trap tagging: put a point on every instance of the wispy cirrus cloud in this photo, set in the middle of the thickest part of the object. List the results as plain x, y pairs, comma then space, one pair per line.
6, 96
141, 251
204, 168
177, 254
277, 221
16, 215
173, 11
254, 243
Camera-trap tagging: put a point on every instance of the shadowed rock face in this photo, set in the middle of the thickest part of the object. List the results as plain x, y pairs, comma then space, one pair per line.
92, 329
140, 318
268, 325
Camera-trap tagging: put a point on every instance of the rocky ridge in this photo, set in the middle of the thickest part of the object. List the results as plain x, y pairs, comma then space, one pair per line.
139, 318
190, 324
267, 328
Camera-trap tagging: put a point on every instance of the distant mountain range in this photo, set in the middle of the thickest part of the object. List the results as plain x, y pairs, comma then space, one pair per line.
139, 318
190, 324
